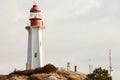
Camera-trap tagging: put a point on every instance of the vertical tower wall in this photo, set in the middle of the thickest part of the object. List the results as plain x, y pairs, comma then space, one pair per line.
35, 48
29, 54
41, 46
35, 44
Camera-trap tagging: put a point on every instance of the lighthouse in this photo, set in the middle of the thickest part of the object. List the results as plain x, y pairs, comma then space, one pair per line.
35, 44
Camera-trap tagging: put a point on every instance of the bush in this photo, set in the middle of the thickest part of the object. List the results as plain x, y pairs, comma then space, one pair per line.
38, 70
25, 72
71, 78
99, 74
17, 73
3, 77
28, 72
46, 69
49, 68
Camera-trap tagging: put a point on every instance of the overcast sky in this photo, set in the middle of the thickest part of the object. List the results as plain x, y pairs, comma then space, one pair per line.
76, 31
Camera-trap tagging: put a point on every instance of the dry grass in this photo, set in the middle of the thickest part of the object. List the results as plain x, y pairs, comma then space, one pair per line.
3, 77
18, 77
44, 72
44, 75
70, 74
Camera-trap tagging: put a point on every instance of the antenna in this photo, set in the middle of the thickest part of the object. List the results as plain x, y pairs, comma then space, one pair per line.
34, 1
110, 63
90, 66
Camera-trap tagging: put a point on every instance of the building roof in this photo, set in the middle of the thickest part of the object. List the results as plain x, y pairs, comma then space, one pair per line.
35, 8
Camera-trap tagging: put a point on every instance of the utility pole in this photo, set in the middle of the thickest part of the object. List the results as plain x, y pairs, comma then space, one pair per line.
110, 63
90, 66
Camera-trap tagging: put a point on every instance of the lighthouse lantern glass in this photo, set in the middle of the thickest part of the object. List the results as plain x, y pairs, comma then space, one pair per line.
35, 15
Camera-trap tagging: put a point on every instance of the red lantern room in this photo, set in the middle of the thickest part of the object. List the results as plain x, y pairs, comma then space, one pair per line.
35, 17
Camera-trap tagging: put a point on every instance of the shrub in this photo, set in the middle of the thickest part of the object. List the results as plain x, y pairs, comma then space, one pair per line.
71, 78
3, 77
46, 69
17, 72
49, 68
38, 70
28, 72
25, 72
99, 74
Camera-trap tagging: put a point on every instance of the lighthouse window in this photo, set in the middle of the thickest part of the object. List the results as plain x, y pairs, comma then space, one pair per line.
40, 43
35, 55
35, 16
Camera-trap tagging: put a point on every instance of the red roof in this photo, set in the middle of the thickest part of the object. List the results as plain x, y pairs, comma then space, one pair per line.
35, 8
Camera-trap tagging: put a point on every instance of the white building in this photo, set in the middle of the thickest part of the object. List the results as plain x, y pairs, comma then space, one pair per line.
35, 44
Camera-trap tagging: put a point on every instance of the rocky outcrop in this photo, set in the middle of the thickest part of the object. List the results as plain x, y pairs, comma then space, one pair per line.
18, 77
48, 72
58, 75
71, 74
50, 76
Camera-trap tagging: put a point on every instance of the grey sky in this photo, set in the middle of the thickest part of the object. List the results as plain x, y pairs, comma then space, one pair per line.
76, 30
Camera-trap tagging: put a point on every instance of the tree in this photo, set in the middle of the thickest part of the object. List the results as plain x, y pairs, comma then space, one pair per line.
99, 74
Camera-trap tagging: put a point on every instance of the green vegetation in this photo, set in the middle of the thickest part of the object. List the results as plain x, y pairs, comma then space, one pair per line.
99, 74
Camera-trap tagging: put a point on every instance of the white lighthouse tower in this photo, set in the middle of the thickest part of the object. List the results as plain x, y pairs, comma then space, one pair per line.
35, 44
